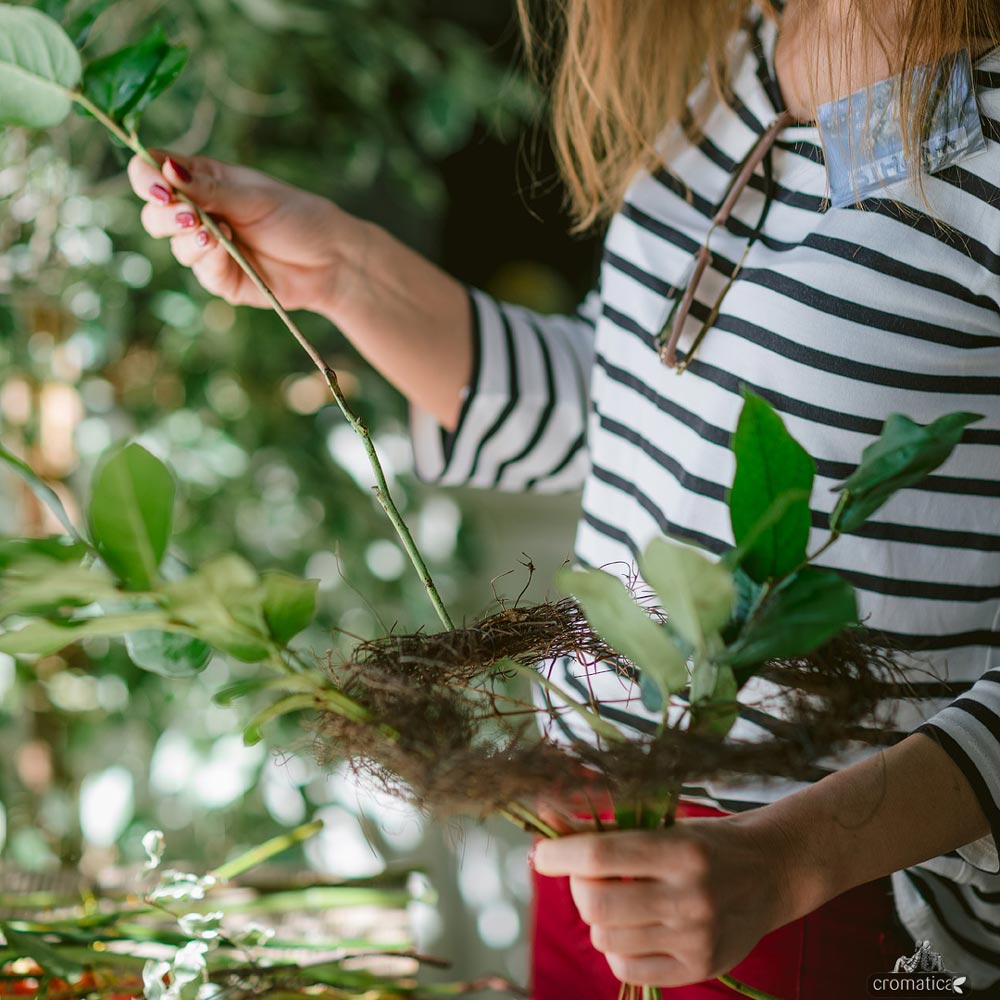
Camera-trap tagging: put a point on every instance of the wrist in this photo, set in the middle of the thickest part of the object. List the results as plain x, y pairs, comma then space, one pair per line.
798, 859
346, 279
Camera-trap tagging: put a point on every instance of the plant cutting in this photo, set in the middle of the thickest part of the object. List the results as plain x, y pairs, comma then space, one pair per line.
432, 715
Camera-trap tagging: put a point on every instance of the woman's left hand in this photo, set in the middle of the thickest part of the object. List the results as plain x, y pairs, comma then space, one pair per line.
677, 906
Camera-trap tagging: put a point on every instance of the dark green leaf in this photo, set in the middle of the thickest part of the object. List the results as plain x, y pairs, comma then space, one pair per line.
165, 75
167, 653
903, 455
79, 27
289, 604
769, 463
649, 691
802, 613
130, 513
39, 487
38, 66
33, 946
117, 82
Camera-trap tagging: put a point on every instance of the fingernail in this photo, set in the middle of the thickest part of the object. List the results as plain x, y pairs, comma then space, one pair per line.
186, 220
182, 172
532, 851
202, 238
161, 194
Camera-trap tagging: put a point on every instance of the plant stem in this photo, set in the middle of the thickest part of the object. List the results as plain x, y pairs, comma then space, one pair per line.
744, 990
382, 494
524, 817
263, 852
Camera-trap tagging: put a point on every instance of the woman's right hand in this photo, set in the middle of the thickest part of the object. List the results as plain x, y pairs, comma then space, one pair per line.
297, 241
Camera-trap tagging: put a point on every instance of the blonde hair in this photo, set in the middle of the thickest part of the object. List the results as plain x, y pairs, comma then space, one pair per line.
619, 71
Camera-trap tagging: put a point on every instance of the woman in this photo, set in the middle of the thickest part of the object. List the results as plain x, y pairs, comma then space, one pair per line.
839, 317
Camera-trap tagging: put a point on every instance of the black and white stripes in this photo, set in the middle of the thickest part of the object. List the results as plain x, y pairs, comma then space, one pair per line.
839, 318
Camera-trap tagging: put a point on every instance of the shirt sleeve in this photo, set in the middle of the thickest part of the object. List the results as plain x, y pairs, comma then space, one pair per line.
522, 426
968, 730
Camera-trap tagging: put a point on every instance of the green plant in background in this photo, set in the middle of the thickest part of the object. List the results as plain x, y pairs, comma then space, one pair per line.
200, 937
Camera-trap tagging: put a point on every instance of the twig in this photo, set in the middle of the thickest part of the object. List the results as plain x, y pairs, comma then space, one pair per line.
381, 489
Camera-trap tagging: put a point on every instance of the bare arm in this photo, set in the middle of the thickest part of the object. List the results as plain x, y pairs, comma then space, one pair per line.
702, 894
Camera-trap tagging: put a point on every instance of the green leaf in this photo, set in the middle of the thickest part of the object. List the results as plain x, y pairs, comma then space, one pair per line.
41, 638
19, 551
769, 463
27, 945
116, 81
697, 593
224, 603
38, 66
130, 513
79, 27
165, 76
614, 614
903, 455
289, 604
714, 708
802, 613
167, 653
650, 693
35, 483
41, 585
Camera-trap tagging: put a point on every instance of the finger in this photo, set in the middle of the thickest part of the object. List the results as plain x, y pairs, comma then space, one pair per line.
559, 821
168, 220
217, 273
652, 970
631, 854
622, 904
192, 247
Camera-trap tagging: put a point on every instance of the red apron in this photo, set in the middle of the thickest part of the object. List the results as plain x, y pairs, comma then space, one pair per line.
827, 955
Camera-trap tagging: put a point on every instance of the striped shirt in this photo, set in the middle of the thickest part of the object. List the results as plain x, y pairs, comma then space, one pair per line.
838, 318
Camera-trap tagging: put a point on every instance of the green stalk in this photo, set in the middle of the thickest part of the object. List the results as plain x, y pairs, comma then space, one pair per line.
264, 852
744, 990
381, 489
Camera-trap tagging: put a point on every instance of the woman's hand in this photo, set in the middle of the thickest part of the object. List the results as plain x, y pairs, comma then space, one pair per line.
298, 241
674, 907
405, 315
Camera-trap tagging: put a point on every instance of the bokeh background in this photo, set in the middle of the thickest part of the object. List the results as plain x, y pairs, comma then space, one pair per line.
413, 113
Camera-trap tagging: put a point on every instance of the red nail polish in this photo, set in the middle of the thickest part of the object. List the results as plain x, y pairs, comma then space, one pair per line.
161, 194
202, 238
186, 220
182, 172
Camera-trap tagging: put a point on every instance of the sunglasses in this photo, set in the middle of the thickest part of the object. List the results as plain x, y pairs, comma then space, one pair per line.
670, 333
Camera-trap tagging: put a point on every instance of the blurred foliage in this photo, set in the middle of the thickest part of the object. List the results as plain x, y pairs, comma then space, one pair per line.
102, 337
